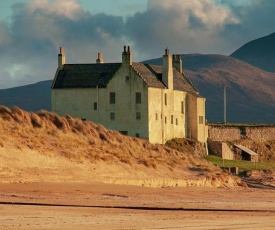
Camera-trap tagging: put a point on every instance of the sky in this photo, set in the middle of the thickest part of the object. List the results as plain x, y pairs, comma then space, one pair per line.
31, 31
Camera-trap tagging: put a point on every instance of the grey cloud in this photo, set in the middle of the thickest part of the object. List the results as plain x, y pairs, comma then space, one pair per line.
256, 19
29, 44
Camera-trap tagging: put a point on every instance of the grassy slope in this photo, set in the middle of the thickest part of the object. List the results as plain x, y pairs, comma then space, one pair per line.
45, 147
242, 165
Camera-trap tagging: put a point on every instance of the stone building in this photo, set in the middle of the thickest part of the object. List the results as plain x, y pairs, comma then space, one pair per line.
156, 103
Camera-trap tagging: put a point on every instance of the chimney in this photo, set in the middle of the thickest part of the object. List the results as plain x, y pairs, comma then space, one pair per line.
126, 57
99, 59
177, 62
167, 70
61, 58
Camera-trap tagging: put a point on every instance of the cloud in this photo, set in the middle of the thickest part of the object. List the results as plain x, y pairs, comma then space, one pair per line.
30, 43
183, 26
30, 40
256, 19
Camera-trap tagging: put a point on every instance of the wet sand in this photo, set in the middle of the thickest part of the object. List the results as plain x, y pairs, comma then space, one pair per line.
105, 206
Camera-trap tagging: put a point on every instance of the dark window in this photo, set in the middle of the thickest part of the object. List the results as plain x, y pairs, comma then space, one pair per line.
200, 119
177, 121
172, 119
112, 98
182, 107
165, 120
156, 116
112, 116
138, 98
138, 116
127, 78
124, 132
165, 99
137, 134
95, 106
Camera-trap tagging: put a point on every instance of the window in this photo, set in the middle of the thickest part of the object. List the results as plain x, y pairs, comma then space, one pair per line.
172, 119
177, 121
165, 99
182, 107
112, 116
156, 116
138, 116
112, 98
124, 132
138, 98
127, 78
200, 119
137, 134
165, 120
95, 106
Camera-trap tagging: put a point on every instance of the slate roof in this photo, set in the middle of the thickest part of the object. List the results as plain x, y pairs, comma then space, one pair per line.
93, 75
181, 82
85, 75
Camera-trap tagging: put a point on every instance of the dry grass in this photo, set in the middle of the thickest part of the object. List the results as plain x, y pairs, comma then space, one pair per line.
79, 141
266, 150
76, 139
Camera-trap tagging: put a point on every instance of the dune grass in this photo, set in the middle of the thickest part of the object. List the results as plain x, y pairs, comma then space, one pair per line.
242, 165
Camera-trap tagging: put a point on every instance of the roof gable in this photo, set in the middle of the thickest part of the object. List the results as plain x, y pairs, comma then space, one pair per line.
181, 82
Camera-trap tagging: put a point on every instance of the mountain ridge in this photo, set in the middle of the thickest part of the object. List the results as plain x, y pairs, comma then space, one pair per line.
259, 52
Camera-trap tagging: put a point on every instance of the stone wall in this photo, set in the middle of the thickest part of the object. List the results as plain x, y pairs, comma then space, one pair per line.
231, 133
220, 149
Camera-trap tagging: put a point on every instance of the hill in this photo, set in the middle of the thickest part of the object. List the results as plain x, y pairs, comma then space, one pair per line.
31, 97
250, 90
259, 52
42, 146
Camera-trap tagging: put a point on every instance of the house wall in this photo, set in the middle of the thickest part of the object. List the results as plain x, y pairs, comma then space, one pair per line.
202, 133
77, 102
195, 109
153, 111
161, 126
126, 83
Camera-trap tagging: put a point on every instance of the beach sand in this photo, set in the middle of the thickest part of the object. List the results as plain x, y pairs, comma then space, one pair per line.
106, 206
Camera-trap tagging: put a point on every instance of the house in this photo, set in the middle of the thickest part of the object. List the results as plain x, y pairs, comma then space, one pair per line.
156, 103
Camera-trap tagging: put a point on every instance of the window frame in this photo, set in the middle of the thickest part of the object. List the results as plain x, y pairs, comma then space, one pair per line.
182, 107
112, 98
201, 120
138, 97
138, 115
112, 116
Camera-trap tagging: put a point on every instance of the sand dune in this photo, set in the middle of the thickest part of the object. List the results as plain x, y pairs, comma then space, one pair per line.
42, 146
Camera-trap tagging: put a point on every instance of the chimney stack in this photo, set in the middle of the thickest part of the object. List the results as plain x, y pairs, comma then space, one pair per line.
177, 62
61, 58
99, 59
126, 57
167, 70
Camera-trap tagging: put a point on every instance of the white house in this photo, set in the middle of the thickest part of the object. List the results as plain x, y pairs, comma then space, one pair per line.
156, 103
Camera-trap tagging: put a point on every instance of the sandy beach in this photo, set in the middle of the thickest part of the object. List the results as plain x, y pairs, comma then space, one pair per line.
105, 206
